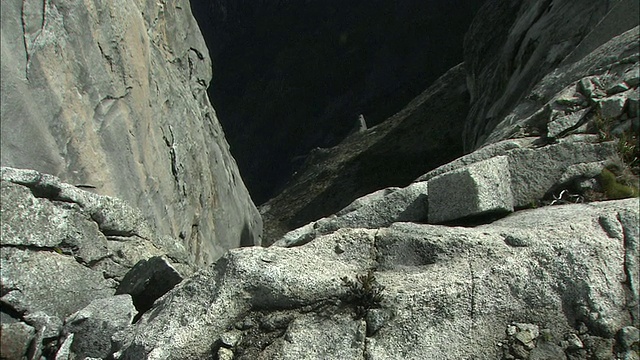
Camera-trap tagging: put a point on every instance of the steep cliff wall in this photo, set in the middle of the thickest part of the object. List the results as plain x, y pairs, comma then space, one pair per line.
112, 94
518, 56
526, 248
512, 45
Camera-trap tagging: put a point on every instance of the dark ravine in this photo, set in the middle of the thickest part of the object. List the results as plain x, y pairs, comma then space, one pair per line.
290, 76
424, 135
496, 100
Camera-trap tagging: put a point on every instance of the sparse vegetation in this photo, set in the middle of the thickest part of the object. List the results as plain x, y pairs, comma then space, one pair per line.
620, 179
613, 188
627, 141
364, 293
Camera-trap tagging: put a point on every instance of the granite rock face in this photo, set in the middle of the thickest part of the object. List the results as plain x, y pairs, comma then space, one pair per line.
512, 46
516, 250
486, 184
483, 187
112, 95
529, 73
91, 328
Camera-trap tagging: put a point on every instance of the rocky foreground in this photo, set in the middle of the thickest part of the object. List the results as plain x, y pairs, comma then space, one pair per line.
527, 247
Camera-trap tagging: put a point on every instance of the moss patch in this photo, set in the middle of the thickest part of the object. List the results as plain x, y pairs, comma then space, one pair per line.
613, 188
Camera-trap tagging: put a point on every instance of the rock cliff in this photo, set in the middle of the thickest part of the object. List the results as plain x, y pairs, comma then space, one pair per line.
512, 45
112, 95
447, 292
527, 247
424, 135
517, 250
65, 249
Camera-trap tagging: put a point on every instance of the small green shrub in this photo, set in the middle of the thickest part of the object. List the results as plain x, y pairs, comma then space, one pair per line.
613, 188
620, 178
603, 126
364, 293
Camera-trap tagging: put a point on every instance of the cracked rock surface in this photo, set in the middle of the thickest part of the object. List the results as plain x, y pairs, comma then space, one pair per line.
544, 270
447, 289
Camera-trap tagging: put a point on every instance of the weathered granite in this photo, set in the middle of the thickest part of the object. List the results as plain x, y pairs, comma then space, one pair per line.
15, 340
573, 97
93, 326
449, 290
55, 284
112, 95
64, 247
148, 280
478, 189
376, 210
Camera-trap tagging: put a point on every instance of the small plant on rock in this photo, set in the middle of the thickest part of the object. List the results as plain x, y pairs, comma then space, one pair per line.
621, 177
628, 147
627, 141
615, 187
364, 293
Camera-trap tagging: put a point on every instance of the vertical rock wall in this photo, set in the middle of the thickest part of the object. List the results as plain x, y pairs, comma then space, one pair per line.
112, 94
512, 45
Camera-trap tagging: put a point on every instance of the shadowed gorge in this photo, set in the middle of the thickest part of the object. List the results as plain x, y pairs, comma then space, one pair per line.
290, 76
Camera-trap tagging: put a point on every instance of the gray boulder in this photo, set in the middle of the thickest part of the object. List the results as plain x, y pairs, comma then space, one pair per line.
379, 209
112, 96
55, 284
405, 204
77, 246
335, 336
183, 323
92, 327
15, 340
477, 189
534, 171
148, 280
100, 232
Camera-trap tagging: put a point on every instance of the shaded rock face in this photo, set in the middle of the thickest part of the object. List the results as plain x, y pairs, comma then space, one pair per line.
532, 273
498, 254
595, 94
512, 45
113, 95
423, 136
290, 76
90, 329
64, 248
